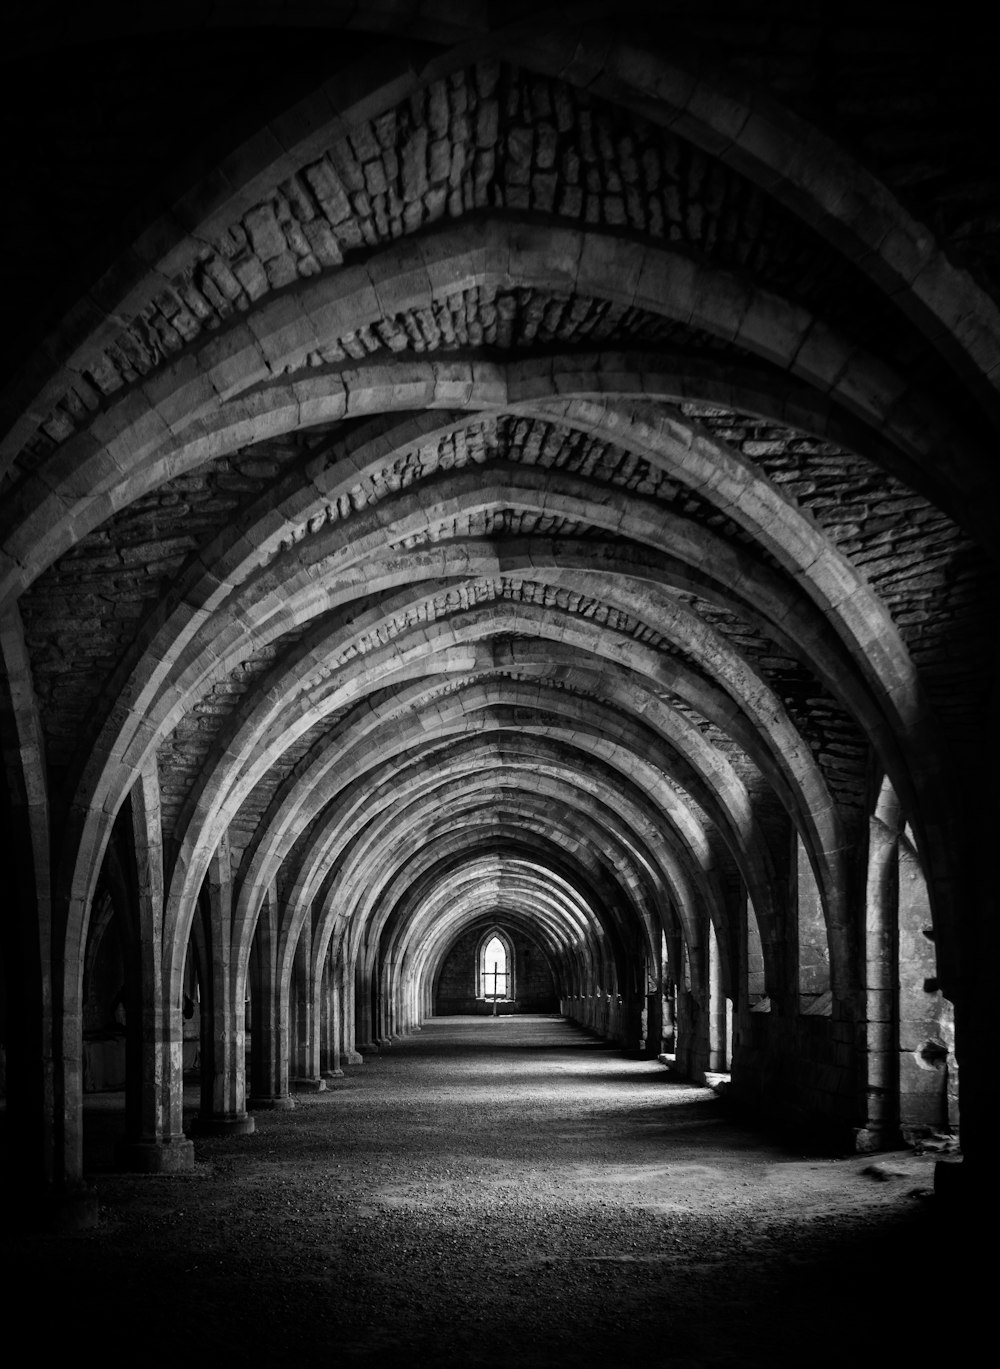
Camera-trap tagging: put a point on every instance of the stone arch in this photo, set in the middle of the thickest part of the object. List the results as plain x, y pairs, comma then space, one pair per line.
800, 166
143, 439
645, 693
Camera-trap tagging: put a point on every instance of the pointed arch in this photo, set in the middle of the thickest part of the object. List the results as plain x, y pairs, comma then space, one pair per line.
495, 965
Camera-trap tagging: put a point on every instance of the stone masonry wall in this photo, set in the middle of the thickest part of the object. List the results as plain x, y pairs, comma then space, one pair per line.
800, 1070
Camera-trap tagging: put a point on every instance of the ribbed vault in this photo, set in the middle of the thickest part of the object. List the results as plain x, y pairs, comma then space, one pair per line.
538, 479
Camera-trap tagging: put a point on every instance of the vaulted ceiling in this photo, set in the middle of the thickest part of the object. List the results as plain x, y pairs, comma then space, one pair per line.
499, 459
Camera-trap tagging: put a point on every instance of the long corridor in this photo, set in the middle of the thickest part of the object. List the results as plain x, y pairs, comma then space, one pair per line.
505, 1191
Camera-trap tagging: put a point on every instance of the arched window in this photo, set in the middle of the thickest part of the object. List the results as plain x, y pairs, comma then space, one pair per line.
496, 966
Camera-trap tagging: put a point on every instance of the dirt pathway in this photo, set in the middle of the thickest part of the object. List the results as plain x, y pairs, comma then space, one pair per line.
503, 1192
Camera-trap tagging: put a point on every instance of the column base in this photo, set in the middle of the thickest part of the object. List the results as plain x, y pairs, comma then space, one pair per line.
241, 1125
352, 1058
873, 1138
333, 1074
276, 1102
309, 1085
175, 1156
367, 1048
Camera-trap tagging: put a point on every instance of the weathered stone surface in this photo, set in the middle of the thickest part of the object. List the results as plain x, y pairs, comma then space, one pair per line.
561, 484
346, 192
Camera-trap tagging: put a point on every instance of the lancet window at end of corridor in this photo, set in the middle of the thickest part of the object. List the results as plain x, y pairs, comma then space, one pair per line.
494, 967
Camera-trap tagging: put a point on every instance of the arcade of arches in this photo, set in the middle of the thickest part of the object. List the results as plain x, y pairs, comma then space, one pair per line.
476, 469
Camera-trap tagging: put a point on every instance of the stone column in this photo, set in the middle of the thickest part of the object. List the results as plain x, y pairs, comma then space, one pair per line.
926, 1060
363, 1008
718, 1045
154, 1109
44, 1188
268, 1052
344, 981
879, 1106
384, 1003
653, 1022
223, 1084
306, 1075
813, 945
329, 1024
44, 1099
667, 1019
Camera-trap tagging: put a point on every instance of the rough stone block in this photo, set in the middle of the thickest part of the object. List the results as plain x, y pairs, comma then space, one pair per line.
232, 360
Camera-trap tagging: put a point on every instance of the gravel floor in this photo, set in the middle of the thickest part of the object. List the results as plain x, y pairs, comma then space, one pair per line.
495, 1192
